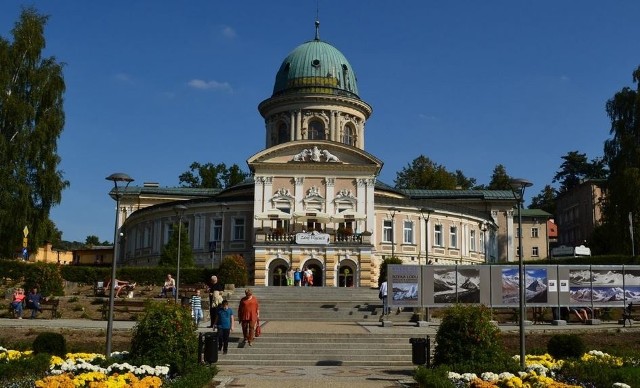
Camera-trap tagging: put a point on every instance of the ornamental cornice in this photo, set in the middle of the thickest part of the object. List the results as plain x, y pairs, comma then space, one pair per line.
297, 100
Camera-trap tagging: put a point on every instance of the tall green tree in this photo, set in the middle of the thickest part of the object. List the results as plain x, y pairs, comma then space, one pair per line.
463, 182
622, 156
31, 121
546, 200
212, 176
169, 256
425, 174
500, 180
575, 168
92, 240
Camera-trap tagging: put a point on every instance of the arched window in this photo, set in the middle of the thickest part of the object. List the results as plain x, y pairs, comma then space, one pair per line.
347, 135
316, 130
283, 133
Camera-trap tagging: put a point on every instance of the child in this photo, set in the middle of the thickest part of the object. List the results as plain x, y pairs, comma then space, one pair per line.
224, 323
196, 307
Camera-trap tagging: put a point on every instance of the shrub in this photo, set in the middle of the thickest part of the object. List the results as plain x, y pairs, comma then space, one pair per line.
24, 368
233, 270
432, 378
50, 343
47, 277
466, 333
165, 336
562, 346
199, 376
383, 268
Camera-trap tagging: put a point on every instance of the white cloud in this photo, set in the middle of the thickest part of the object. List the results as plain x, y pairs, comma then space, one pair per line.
228, 32
210, 85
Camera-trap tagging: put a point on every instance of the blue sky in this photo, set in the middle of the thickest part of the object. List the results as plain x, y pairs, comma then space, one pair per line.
153, 86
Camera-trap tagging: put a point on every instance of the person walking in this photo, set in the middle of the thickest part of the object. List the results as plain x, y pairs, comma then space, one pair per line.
215, 297
383, 295
248, 314
224, 323
289, 276
297, 278
196, 307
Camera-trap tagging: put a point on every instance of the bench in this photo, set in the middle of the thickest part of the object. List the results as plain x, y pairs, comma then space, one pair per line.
50, 305
122, 306
504, 314
187, 290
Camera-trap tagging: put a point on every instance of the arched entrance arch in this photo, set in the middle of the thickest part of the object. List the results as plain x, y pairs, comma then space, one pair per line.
318, 271
278, 272
347, 270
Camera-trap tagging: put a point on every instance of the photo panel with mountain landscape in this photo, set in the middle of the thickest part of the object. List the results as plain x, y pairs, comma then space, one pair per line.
445, 284
632, 284
468, 284
536, 285
510, 285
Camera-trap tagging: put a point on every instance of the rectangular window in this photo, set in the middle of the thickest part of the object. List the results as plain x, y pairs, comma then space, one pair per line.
238, 229
517, 232
518, 252
534, 232
472, 240
534, 252
437, 235
481, 242
407, 229
216, 230
387, 230
453, 234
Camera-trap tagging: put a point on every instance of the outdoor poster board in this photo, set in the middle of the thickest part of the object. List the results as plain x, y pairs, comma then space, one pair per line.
447, 285
403, 284
632, 284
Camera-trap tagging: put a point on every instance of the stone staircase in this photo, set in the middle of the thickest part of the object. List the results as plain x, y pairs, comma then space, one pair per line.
319, 304
328, 304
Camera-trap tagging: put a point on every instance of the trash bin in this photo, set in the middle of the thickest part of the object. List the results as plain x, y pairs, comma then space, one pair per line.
208, 347
418, 351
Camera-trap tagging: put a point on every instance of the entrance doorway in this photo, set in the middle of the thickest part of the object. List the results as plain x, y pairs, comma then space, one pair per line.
346, 275
278, 273
318, 272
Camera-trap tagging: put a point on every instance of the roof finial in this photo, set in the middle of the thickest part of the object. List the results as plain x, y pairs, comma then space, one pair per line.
317, 29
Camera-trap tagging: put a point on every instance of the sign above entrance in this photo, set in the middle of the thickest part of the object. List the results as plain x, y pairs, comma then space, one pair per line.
312, 238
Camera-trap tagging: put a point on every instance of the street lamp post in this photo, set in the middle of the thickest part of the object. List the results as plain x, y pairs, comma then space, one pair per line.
393, 212
517, 187
179, 209
115, 178
428, 212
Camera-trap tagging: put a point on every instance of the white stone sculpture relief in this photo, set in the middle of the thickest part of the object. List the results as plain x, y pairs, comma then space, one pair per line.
315, 155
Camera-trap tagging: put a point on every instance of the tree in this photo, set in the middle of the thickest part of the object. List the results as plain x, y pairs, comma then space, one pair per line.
31, 121
500, 180
424, 174
546, 200
92, 240
622, 156
212, 176
169, 255
464, 183
576, 168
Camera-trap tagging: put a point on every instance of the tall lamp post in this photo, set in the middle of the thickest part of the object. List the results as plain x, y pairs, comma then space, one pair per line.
428, 212
117, 191
179, 209
393, 212
517, 187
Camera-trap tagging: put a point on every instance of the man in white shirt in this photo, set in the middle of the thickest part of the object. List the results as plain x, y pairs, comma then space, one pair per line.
385, 302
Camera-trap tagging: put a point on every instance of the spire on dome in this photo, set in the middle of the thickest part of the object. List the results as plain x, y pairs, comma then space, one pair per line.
317, 30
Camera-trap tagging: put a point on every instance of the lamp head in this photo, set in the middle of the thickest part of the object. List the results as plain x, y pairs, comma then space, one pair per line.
518, 185
179, 209
119, 177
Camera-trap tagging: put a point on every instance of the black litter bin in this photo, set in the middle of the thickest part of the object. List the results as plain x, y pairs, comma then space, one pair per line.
418, 351
208, 347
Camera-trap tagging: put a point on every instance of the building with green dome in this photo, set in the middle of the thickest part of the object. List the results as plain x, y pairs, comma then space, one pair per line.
314, 199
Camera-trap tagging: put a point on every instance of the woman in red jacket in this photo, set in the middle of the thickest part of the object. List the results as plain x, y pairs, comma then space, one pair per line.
248, 314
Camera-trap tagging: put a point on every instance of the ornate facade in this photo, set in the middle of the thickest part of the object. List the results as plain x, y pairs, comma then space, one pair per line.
314, 199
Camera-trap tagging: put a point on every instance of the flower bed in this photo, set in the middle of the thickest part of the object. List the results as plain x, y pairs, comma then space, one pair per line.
86, 370
540, 372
